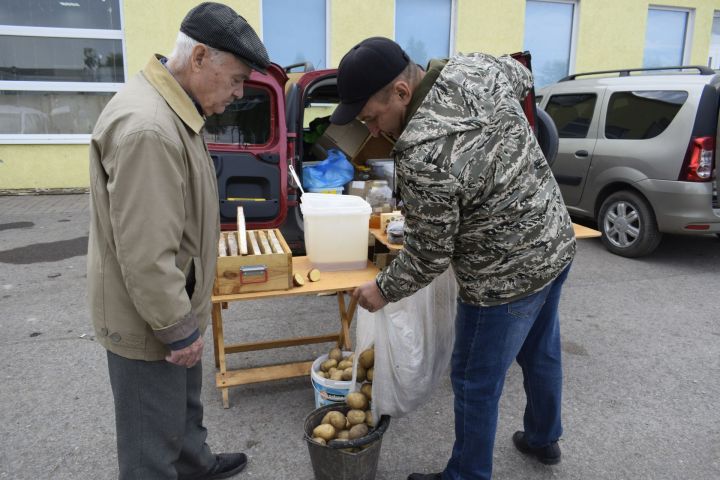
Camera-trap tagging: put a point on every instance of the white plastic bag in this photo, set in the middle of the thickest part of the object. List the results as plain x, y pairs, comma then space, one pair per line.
413, 341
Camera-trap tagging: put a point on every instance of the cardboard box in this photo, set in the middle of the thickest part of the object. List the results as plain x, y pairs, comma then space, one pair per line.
255, 272
355, 141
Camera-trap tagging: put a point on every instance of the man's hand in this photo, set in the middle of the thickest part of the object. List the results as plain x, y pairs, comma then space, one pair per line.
369, 297
188, 356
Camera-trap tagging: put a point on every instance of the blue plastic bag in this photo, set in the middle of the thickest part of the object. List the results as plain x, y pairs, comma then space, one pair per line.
335, 171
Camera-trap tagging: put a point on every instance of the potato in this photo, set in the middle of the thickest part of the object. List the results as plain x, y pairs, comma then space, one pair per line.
322, 374
326, 432
370, 374
342, 365
369, 419
358, 431
343, 435
328, 364
366, 390
319, 440
350, 357
356, 417
367, 358
337, 375
335, 354
347, 424
331, 371
326, 418
314, 275
336, 419
361, 373
357, 401
347, 374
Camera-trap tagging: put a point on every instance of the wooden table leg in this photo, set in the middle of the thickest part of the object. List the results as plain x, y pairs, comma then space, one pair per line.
219, 347
346, 316
216, 320
225, 397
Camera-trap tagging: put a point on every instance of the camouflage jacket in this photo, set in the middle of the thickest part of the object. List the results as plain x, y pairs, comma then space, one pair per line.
477, 189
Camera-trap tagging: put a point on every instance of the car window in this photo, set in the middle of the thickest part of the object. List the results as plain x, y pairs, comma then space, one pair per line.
538, 99
572, 113
640, 115
245, 121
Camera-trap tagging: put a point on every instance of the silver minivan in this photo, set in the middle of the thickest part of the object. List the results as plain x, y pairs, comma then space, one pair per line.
637, 152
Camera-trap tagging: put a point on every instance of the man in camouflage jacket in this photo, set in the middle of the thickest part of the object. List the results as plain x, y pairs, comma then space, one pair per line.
480, 196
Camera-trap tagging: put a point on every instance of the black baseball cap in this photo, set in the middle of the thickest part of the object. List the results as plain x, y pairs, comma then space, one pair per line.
218, 26
363, 71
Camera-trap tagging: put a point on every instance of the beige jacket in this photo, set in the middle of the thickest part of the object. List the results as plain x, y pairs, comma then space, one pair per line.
154, 213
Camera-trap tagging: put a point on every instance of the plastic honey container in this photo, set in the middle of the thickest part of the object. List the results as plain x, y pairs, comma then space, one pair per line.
336, 231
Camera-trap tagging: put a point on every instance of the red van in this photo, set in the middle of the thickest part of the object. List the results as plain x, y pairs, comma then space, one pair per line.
258, 136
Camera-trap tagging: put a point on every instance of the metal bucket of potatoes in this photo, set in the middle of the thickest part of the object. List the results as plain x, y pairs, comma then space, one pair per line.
343, 440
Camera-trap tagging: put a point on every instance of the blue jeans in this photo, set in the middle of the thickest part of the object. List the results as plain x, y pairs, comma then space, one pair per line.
487, 340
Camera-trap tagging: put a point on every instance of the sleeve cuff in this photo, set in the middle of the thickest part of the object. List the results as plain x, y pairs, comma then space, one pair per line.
180, 331
382, 294
180, 344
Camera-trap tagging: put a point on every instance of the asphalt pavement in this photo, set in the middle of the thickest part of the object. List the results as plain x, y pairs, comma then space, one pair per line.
641, 344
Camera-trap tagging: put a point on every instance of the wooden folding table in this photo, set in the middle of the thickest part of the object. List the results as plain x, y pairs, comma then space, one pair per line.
341, 283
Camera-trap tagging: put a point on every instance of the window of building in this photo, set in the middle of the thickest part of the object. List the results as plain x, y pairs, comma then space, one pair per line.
245, 121
641, 115
296, 32
550, 37
60, 63
572, 113
425, 28
667, 38
714, 56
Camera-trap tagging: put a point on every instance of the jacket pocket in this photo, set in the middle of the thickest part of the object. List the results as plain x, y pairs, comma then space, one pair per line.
190, 280
196, 276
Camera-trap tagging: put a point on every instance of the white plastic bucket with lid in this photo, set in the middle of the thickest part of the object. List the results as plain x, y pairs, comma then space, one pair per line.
328, 391
336, 230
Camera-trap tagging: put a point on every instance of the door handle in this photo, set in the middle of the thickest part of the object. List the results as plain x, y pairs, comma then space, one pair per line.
582, 153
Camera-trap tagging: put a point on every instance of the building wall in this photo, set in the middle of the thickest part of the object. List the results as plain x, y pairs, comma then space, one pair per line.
611, 34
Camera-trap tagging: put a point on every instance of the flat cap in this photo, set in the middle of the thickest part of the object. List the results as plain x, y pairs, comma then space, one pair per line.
218, 26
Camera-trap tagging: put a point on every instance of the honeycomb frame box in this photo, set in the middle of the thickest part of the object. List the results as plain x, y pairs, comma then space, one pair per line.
267, 266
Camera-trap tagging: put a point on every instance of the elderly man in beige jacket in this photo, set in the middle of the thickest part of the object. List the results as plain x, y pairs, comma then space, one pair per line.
153, 242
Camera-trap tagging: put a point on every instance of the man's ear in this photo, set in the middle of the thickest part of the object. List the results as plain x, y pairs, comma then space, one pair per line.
403, 90
198, 56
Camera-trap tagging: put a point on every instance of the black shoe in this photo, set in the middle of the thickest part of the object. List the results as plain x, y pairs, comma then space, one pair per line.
549, 454
425, 476
226, 465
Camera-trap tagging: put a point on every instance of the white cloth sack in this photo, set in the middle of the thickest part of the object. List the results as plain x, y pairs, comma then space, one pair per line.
413, 341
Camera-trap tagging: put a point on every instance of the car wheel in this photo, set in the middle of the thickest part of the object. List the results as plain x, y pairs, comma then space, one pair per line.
628, 225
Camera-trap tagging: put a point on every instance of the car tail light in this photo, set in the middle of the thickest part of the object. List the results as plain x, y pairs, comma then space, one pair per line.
699, 161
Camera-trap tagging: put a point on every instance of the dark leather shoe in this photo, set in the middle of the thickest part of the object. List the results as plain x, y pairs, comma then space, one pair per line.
425, 476
226, 465
549, 454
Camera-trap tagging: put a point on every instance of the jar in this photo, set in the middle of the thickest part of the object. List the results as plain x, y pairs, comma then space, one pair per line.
379, 194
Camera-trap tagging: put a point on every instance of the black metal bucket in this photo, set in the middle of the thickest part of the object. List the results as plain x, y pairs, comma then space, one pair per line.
332, 461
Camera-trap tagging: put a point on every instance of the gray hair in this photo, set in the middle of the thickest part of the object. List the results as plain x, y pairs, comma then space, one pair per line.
183, 49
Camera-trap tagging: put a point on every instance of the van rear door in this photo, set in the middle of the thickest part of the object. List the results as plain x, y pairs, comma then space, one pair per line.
248, 144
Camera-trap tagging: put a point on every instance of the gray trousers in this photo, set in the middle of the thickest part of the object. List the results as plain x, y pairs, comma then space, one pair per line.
158, 419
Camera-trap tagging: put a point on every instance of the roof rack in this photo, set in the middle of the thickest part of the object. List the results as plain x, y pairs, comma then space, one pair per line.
626, 71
